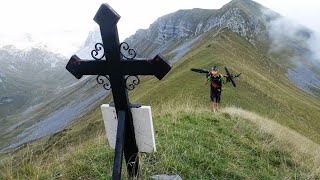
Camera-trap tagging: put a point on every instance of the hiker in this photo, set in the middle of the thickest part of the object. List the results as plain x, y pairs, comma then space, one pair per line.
216, 81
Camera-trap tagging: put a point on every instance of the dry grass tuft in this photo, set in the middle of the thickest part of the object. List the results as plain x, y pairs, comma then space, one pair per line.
301, 148
175, 106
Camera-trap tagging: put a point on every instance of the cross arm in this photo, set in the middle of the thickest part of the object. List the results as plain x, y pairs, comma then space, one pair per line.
78, 67
157, 66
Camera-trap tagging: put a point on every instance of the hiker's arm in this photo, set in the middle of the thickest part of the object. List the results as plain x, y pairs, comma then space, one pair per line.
223, 80
208, 78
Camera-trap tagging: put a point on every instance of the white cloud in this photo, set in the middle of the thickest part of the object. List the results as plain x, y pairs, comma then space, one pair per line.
304, 12
284, 34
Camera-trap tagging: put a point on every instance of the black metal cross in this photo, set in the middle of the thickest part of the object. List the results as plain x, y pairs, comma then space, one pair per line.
118, 66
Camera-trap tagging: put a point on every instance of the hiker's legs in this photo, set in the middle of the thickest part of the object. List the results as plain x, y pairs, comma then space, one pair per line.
212, 100
216, 106
217, 101
211, 105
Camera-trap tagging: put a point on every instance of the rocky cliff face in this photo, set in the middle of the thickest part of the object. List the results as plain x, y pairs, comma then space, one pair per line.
244, 17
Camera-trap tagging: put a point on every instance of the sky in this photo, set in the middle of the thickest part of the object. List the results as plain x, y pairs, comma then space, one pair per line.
63, 25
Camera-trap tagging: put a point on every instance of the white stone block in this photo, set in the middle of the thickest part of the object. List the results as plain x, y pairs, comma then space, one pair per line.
142, 122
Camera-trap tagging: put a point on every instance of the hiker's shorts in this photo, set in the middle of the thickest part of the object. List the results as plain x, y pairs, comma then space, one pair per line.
215, 95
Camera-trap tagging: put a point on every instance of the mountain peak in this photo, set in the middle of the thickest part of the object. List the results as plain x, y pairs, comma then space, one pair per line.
248, 6
248, 3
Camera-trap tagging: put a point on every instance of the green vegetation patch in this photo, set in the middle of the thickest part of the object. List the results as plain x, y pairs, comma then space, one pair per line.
195, 145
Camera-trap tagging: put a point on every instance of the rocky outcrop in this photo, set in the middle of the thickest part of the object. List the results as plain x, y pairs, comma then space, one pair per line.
244, 17
237, 21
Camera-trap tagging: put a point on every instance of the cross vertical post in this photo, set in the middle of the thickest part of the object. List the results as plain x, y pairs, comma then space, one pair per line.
107, 19
117, 66
119, 145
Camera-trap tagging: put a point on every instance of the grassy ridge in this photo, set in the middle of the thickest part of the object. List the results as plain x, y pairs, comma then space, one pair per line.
191, 142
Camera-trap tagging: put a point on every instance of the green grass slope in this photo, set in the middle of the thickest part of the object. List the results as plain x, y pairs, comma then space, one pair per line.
191, 142
263, 87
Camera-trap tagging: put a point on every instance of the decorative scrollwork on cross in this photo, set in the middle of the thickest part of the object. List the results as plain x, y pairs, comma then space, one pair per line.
103, 79
128, 53
98, 49
131, 82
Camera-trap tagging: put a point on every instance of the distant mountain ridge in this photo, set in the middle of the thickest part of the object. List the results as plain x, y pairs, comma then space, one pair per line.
38, 96
27, 77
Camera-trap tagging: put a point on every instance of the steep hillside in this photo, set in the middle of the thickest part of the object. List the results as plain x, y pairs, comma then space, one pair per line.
28, 77
51, 116
38, 96
263, 87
